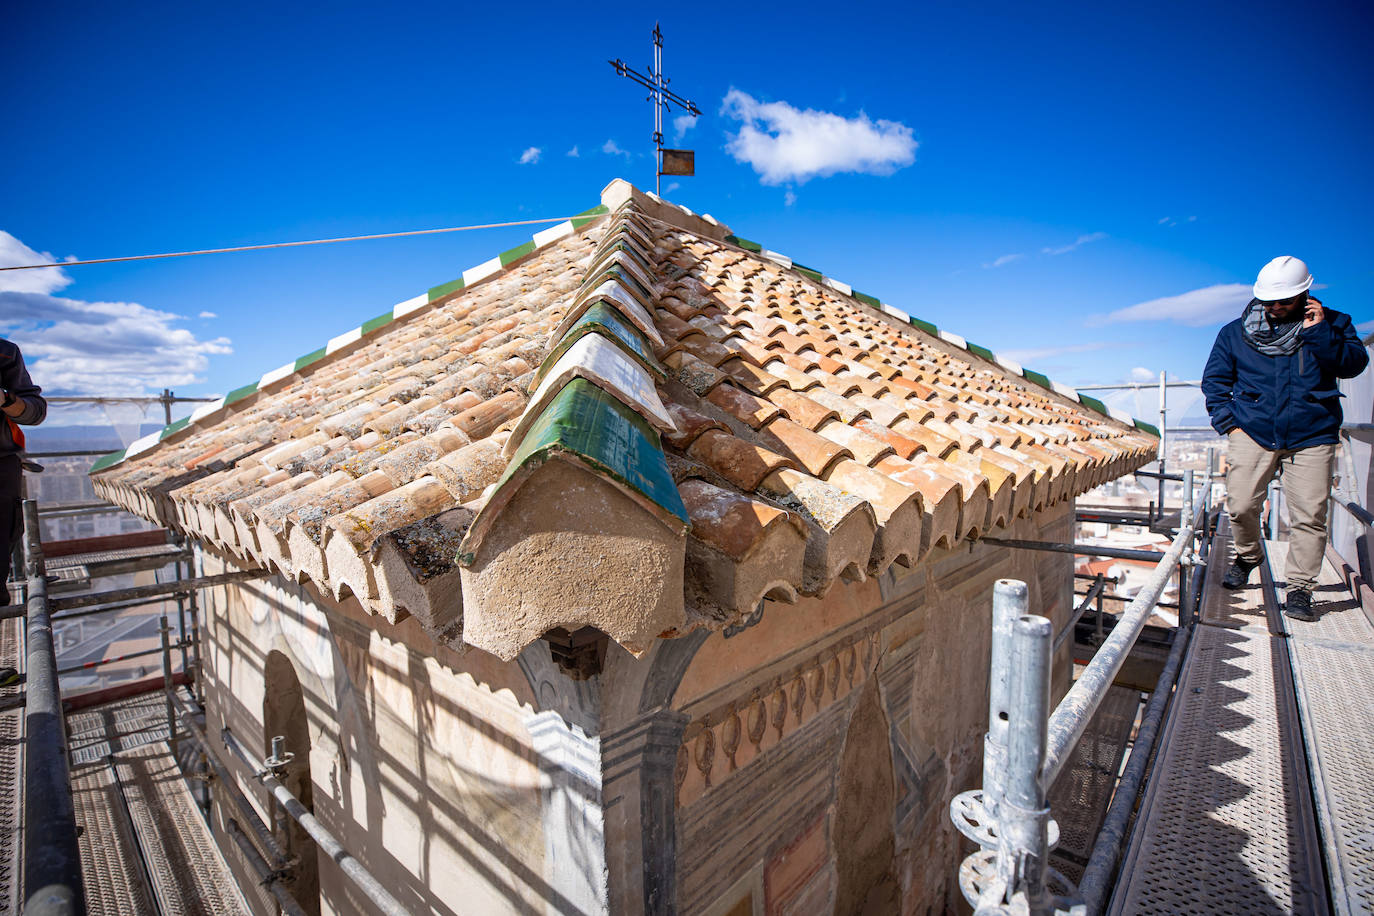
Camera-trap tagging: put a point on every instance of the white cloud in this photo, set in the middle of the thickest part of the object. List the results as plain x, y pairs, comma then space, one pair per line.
1003, 260
789, 198
573, 152
1141, 374
783, 143
78, 347
611, 148
14, 253
1365, 327
1166, 221
207, 315
1081, 240
1196, 308
682, 124
1036, 354
531, 155
671, 188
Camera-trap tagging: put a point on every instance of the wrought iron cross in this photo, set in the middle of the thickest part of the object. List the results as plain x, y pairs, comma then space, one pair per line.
659, 94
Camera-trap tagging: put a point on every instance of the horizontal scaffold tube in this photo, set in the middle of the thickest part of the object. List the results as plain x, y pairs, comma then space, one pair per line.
1075, 711
177, 586
328, 843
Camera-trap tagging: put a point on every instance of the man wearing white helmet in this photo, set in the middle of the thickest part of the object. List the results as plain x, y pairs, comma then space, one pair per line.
1270, 387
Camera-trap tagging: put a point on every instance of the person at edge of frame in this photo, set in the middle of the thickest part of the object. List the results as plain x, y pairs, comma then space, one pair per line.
21, 402
1270, 389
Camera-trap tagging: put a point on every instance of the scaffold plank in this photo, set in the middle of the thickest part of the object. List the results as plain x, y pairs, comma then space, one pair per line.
1333, 670
1226, 825
190, 877
110, 867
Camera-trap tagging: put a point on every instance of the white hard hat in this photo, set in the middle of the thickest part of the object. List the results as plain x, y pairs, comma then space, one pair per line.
1282, 278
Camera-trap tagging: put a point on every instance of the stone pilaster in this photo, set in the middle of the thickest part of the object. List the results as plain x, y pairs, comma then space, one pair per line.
638, 765
574, 821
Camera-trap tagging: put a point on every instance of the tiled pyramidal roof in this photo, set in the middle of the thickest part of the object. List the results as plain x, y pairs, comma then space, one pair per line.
644, 426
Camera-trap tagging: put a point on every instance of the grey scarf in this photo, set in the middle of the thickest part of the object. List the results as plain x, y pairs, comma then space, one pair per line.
1269, 339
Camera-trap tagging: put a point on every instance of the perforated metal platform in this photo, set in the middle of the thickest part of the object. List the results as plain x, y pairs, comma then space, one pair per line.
1226, 824
11, 775
144, 846
103, 730
1080, 796
1333, 669
190, 877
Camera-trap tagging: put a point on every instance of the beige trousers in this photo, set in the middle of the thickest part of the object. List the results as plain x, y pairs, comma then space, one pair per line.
1305, 475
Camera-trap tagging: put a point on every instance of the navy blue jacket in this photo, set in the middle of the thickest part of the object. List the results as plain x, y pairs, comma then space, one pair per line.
14, 378
1283, 402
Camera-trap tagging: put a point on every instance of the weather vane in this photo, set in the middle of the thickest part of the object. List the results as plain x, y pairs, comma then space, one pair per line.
667, 161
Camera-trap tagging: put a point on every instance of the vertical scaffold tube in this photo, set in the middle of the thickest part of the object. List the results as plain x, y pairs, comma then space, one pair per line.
1009, 598
52, 861
1024, 818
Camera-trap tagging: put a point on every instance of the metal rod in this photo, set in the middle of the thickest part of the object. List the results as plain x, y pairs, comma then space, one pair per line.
328, 844
1093, 591
1075, 711
270, 846
144, 868
65, 399
1083, 550
102, 662
1009, 602
1185, 521
1023, 822
267, 876
1096, 881
122, 691
52, 861
106, 608
1160, 476
164, 631
161, 589
1136, 386
70, 453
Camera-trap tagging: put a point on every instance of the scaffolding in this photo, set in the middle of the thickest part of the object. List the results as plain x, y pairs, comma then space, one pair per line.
63, 765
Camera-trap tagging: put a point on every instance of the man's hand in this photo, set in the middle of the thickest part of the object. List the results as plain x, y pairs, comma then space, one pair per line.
1314, 314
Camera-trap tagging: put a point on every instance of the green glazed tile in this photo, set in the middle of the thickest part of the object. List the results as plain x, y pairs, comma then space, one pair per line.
926, 326
1038, 378
604, 320
592, 424
108, 461
373, 324
1093, 404
444, 289
519, 251
313, 356
982, 351
238, 394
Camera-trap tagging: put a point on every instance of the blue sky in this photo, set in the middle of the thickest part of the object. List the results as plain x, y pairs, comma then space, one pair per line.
1016, 173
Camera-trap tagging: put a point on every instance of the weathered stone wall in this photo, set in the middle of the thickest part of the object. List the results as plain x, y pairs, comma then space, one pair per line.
423, 761
822, 744
802, 763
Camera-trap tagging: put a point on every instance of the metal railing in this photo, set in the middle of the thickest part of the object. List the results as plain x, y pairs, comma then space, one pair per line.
1027, 746
52, 872
269, 773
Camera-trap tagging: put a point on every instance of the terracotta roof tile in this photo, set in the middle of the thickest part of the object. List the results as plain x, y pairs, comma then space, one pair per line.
363, 468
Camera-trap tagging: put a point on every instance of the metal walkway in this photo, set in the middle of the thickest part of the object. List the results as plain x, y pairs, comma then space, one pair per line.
1333, 668
145, 847
1270, 715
